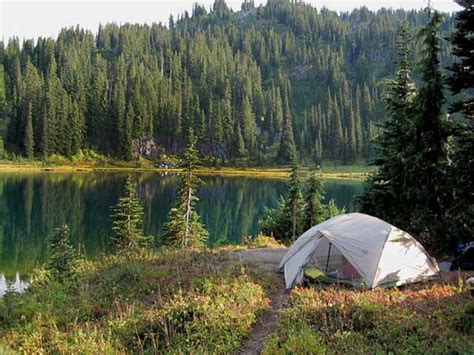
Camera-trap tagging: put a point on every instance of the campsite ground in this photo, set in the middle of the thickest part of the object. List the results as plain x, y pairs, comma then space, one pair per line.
220, 301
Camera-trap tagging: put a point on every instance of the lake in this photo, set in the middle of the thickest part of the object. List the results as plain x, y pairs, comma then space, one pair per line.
32, 205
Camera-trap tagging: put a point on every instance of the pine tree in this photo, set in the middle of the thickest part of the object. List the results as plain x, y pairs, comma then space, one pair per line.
240, 150
184, 228
294, 201
127, 221
461, 83
29, 139
385, 192
287, 150
431, 144
248, 125
314, 208
60, 254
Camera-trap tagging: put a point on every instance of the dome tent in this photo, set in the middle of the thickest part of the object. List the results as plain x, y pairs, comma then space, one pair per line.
361, 249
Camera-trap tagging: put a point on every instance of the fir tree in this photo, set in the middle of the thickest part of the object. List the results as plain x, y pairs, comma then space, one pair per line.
294, 201
430, 157
287, 145
461, 83
127, 221
184, 228
314, 208
29, 139
60, 254
385, 192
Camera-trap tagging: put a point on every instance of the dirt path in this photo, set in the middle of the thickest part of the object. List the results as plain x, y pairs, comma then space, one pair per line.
267, 325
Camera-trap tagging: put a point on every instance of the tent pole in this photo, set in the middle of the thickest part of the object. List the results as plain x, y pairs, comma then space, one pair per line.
329, 254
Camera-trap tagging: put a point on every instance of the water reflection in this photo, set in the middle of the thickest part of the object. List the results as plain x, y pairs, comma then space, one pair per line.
32, 205
17, 284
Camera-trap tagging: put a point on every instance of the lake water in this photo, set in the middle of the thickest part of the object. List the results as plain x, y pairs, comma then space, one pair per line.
32, 205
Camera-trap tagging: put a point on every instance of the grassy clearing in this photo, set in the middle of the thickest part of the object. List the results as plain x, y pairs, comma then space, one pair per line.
170, 302
431, 318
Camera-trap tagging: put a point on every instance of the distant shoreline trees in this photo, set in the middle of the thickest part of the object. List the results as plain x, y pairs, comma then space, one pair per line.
305, 82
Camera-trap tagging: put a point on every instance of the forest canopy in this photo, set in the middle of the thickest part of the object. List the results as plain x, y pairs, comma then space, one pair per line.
251, 84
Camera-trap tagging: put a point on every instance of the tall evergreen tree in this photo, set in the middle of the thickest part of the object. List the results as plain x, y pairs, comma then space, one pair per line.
295, 200
184, 228
461, 83
287, 150
431, 140
29, 138
385, 192
314, 209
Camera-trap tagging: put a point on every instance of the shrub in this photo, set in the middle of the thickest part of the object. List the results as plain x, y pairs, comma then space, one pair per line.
300, 339
262, 241
60, 254
465, 322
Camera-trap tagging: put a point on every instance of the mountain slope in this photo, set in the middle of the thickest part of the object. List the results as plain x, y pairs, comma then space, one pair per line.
235, 78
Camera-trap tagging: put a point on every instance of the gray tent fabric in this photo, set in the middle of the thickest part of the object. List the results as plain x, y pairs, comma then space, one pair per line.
362, 246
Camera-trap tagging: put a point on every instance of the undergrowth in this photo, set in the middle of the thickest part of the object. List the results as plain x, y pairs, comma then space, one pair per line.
171, 302
432, 318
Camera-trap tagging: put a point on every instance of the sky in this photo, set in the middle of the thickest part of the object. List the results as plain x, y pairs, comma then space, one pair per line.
35, 18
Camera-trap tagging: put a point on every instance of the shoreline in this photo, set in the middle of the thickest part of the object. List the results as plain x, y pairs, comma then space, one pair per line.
270, 173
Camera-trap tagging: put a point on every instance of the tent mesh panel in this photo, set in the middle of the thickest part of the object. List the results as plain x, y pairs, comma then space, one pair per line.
329, 259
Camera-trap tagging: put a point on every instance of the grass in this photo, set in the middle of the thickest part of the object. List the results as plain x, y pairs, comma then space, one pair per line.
167, 302
89, 161
434, 318
206, 302
109, 165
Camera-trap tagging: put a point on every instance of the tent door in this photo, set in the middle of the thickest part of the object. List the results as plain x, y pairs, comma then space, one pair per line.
328, 258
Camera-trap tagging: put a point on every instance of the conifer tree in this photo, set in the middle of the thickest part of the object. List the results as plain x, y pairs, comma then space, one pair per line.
127, 221
184, 228
331, 210
294, 202
461, 83
60, 254
287, 150
431, 141
385, 192
314, 208
29, 139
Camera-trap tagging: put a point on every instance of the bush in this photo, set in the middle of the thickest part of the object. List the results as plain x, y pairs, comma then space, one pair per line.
465, 322
262, 241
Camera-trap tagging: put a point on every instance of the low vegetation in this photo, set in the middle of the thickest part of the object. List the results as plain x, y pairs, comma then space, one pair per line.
429, 318
194, 301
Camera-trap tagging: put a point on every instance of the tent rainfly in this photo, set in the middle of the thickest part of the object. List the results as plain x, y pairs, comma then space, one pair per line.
361, 249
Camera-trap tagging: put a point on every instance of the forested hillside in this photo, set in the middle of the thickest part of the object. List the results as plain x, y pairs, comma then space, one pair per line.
252, 84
